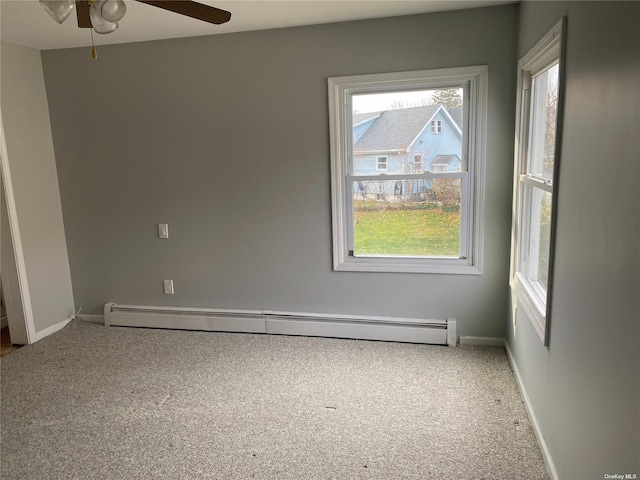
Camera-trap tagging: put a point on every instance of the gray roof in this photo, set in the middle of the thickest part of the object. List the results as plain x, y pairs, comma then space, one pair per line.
456, 114
363, 117
444, 159
395, 129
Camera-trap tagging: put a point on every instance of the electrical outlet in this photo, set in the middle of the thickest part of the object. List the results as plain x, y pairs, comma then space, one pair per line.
168, 287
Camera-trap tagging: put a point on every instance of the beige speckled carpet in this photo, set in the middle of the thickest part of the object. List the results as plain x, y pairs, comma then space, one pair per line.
92, 402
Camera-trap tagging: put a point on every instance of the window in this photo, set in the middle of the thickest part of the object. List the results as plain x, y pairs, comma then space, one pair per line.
417, 163
401, 218
536, 168
436, 126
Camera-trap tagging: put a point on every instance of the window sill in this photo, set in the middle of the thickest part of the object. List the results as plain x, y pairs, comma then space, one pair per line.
451, 266
533, 305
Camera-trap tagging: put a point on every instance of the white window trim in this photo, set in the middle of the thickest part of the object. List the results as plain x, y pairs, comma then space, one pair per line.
417, 162
386, 163
340, 91
436, 127
536, 302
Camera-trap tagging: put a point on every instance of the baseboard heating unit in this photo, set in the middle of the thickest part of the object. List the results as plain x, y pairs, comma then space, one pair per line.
394, 329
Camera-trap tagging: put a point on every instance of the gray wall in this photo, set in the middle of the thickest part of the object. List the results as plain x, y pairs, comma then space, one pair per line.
585, 386
225, 138
33, 176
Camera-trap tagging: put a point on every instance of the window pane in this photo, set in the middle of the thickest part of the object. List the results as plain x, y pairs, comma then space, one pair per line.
405, 125
544, 239
382, 164
417, 164
537, 209
544, 115
407, 217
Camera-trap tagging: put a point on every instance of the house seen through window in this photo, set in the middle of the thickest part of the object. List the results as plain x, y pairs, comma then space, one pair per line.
406, 199
409, 216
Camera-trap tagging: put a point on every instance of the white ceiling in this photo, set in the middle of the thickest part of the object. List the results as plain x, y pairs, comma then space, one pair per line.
24, 22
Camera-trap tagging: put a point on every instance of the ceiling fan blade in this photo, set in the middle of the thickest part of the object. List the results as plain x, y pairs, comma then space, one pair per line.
82, 11
192, 9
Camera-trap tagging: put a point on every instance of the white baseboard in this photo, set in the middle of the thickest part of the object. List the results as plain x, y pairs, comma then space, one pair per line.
484, 341
546, 454
91, 318
50, 330
395, 329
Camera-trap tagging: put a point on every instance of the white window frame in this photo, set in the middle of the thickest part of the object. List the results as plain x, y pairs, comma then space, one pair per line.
386, 163
417, 160
436, 126
341, 90
531, 295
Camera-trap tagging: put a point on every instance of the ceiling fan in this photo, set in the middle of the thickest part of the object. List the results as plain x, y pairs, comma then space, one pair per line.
103, 15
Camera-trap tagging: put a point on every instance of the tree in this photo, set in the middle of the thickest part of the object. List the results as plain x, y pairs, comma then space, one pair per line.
551, 121
402, 104
449, 97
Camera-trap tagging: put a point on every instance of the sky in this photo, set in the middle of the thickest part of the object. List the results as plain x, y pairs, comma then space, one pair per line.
375, 102
382, 101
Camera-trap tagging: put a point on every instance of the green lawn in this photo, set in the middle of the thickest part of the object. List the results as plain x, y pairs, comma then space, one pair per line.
423, 231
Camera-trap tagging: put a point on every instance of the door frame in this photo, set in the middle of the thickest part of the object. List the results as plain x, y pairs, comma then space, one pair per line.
21, 327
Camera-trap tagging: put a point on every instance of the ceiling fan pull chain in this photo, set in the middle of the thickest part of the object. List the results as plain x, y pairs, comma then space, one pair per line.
94, 52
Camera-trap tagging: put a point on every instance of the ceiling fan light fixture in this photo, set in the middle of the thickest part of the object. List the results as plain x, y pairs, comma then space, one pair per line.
100, 25
59, 10
111, 10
